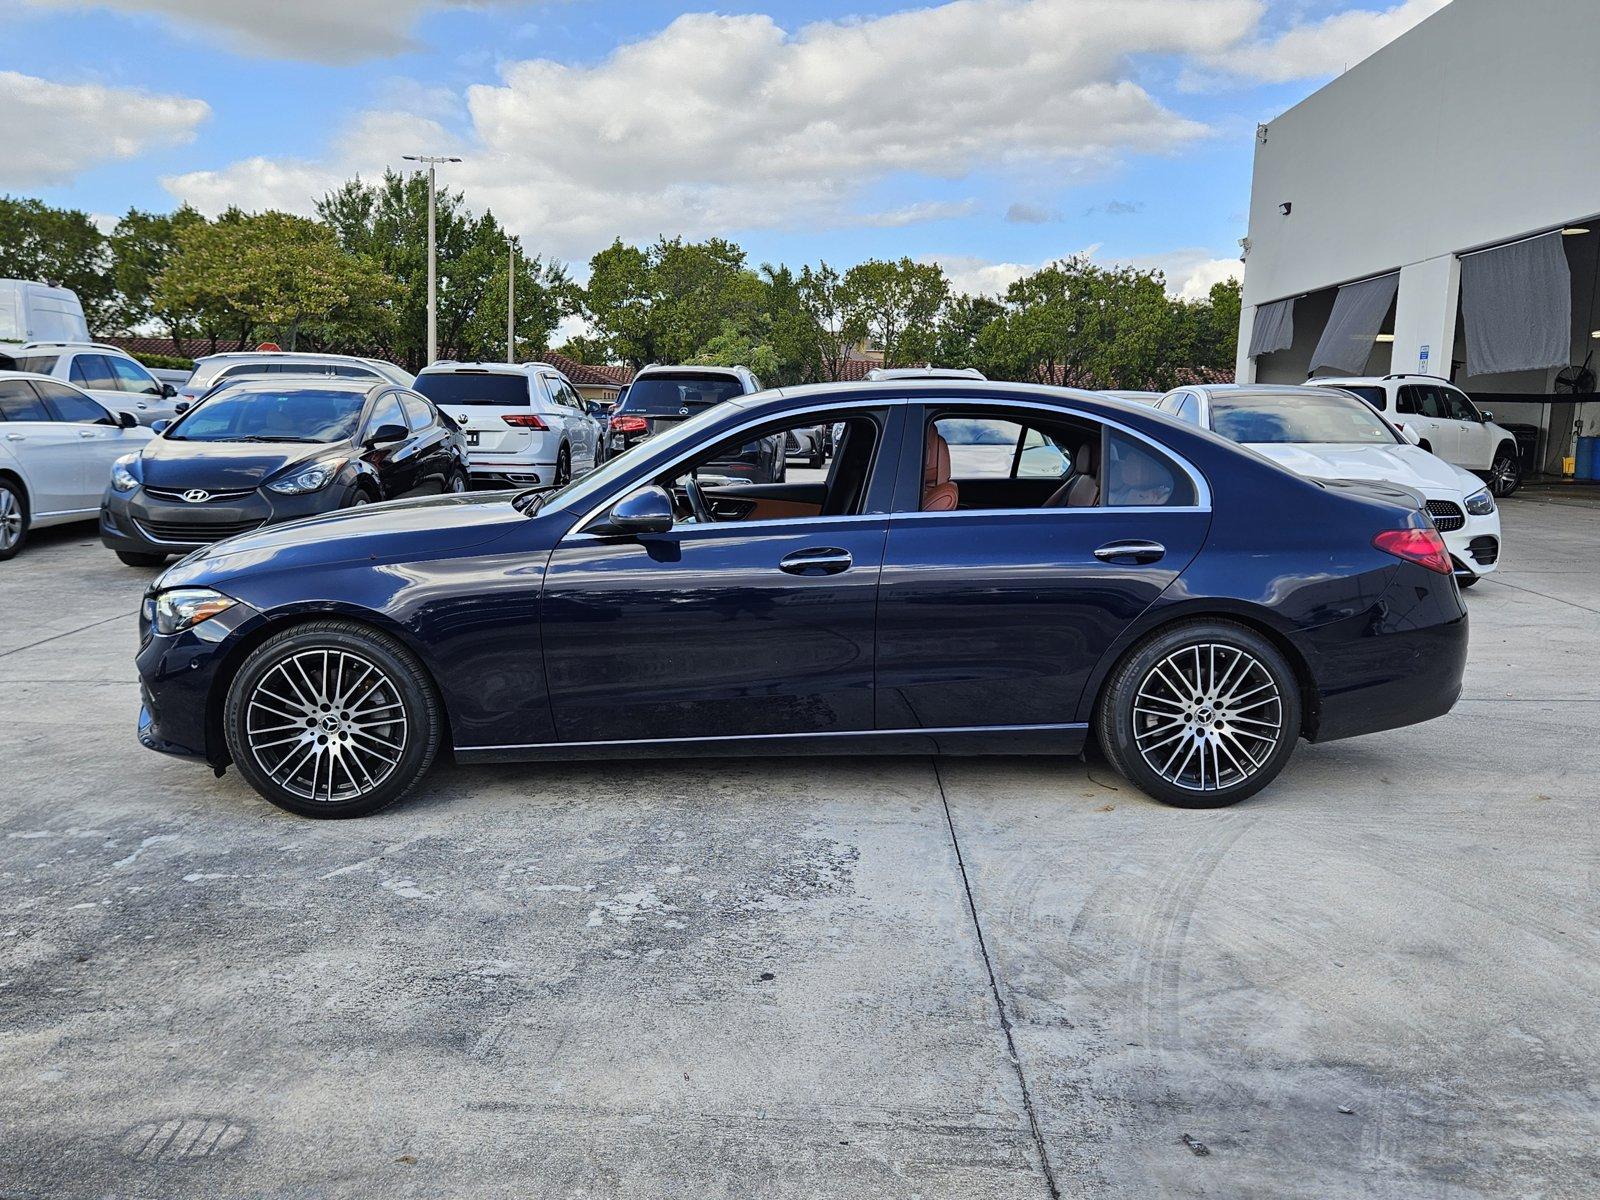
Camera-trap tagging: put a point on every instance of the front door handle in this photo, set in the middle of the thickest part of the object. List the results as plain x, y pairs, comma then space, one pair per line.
87, 433
1139, 552
831, 561
16, 437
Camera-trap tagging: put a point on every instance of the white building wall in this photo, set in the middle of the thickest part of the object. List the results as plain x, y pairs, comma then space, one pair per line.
1480, 125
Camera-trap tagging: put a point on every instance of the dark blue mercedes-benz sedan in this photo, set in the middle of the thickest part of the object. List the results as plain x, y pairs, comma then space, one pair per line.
982, 568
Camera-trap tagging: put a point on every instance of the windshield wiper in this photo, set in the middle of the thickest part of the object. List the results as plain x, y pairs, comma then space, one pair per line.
260, 438
528, 503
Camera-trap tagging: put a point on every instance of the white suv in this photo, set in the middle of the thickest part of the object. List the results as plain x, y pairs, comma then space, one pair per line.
1445, 422
111, 375
526, 425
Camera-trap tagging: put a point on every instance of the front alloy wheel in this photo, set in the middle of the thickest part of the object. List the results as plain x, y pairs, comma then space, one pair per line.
332, 720
1505, 476
1201, 716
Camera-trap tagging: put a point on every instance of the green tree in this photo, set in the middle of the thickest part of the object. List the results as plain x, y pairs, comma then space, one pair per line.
387, 222
960, 326
898, 304
275, 275
668, 301
60, 246
836, 327
141, 245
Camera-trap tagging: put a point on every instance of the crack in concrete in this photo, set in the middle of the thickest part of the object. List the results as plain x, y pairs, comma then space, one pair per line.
56, 637
999, 1001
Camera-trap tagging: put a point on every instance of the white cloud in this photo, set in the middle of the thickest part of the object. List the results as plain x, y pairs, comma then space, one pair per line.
917, 214
1324, 47
329, 31
56, 130
719, 123
1190, 273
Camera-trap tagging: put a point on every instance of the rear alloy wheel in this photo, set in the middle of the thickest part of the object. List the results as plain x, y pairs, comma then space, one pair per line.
1505, 476
563, 468
458, 482
13, 519
332, 719
1201, 715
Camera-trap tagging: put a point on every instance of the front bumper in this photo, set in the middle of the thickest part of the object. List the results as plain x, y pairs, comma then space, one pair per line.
177, 674
1475, 547
141, 523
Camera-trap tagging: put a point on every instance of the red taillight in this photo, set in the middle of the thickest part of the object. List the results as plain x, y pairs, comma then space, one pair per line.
1422, 546
524, 421
629, 424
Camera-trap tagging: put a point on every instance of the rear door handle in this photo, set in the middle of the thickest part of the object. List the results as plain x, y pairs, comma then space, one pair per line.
831, 561
16, 437
1139, 552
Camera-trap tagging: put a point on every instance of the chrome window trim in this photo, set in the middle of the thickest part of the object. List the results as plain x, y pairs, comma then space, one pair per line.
1197, 477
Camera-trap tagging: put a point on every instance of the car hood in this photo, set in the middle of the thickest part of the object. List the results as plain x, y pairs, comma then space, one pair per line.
376, 533
1411, 466
225, 466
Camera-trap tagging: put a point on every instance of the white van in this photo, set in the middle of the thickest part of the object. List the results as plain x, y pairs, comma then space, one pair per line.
37, 312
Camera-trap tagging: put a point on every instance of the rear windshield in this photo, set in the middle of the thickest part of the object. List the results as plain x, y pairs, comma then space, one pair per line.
1329, 419
670, 395
1372, 395
474, 387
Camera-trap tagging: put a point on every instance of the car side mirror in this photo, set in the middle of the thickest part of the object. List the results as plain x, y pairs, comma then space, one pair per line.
159, 426
182, 406
385, 435
1486, 415
1411, 435
168, 391
127, 420
648, 510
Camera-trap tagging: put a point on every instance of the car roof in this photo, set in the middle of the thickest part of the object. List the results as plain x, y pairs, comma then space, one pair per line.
1251, 389
451, 367
891, 374
321, 383
691, 369
280, 355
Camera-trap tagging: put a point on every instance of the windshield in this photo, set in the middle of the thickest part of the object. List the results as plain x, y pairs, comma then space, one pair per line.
669, 395
475, 387
596, 482
271, 415
1328, 419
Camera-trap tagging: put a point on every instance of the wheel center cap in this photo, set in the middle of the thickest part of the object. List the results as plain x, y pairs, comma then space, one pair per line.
1206, 716
330, 723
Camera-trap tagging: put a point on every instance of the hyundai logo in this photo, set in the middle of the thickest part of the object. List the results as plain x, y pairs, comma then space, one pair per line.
197, 495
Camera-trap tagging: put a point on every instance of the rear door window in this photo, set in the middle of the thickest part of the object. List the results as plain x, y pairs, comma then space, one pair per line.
68, 405
1136, 475
488, 388
19, 402
418, 415
93, 371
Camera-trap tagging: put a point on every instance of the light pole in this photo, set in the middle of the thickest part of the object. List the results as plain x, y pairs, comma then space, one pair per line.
433, 266
511, 300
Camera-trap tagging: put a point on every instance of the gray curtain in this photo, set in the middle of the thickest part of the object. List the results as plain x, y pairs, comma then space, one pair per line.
1517, 305
1273, 328
1358, 312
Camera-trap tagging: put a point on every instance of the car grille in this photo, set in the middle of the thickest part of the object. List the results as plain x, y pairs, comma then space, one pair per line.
1447, 516
213, 497
195, 532
1486, 550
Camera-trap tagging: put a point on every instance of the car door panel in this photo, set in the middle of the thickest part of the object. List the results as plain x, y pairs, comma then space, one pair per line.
47, 450
702, 631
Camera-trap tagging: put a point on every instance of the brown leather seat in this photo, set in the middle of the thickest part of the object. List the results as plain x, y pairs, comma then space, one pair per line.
1082, 488
939, 493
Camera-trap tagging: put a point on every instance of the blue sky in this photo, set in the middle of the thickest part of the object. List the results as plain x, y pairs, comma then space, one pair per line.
991, 135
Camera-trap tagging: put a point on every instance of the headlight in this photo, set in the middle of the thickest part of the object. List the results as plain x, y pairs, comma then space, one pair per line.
122, 477
1480, 504
184, 608
307, 479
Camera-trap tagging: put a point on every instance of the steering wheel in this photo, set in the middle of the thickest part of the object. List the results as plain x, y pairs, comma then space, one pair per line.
698, 501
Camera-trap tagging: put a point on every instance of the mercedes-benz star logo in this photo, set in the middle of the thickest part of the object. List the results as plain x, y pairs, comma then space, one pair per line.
197, 495
683, 412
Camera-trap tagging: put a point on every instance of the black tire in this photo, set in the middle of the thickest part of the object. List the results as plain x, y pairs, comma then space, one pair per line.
358, 497
14, 518
132, 558
563, 467
259, 693
458, 483
816, 459
1465, 581
1222, 645
1505, 473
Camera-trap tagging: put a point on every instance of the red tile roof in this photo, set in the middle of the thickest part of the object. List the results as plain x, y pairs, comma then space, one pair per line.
587, 374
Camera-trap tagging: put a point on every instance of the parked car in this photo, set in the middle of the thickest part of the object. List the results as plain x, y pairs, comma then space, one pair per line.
810, 444
660, 398
1446, 422
526, 425
214, 369
32, 311
57, 444
111, 375
1135, 397
1328, 434
1191, 605
265, 451
893, 374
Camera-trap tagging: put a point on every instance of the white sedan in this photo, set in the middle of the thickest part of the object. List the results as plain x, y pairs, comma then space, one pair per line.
1323, 433
57, 444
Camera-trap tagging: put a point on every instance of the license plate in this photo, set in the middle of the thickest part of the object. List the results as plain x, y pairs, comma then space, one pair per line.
472, 439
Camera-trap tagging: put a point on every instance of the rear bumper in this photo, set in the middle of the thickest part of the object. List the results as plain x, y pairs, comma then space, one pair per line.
1402, 666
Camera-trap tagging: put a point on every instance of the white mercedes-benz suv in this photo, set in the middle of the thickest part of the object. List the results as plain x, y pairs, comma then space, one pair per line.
526, 425
1330, 435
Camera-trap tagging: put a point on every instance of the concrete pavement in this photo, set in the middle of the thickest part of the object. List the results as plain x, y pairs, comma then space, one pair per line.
866, 977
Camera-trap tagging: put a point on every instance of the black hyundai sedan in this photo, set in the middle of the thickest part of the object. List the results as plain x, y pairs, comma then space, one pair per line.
1088, 568
263, 451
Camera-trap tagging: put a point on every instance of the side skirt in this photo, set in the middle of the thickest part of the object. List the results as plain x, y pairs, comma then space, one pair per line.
976, 740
